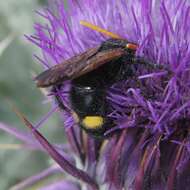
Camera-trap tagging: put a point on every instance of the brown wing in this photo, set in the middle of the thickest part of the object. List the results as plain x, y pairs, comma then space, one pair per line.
77, 66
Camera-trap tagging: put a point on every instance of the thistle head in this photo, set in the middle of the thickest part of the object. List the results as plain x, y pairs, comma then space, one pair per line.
151, 110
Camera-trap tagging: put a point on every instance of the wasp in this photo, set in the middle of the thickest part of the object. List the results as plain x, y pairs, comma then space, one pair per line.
91, 74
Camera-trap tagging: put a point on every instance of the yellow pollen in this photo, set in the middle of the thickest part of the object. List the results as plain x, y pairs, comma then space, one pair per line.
93, 122
101, 30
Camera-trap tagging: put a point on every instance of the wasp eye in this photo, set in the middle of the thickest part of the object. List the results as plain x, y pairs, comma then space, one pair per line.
131, 46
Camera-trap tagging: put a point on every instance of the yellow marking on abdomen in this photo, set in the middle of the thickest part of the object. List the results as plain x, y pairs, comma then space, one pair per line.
93, 122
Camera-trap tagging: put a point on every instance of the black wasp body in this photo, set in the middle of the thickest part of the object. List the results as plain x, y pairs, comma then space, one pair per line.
91, 74
88, 92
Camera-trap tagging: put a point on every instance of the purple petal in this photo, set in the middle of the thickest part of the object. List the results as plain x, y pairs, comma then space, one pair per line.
62, 185
23, 136
66, 165
38, 177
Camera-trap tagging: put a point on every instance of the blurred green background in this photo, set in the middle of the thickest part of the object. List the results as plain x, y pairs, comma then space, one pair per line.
17, 88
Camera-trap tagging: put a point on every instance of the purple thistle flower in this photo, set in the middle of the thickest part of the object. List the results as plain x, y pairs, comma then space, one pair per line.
151, 113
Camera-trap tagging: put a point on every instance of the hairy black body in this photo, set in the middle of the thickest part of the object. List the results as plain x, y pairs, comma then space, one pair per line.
92, 74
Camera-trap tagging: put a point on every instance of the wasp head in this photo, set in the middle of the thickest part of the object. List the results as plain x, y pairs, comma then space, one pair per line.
119, 43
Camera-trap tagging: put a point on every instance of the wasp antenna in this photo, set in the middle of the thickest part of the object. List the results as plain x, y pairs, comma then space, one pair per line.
101, 30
